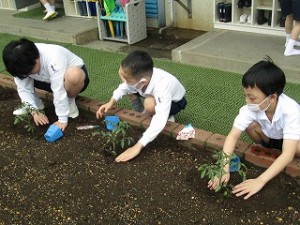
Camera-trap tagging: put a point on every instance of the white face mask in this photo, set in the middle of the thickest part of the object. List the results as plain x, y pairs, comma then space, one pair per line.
134, 86
256, 108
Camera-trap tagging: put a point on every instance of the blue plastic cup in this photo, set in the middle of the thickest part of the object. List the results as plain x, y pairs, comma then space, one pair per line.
111, 122
234, 164
53, 133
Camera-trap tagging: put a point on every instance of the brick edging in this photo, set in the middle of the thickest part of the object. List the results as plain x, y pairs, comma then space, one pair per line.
257, 155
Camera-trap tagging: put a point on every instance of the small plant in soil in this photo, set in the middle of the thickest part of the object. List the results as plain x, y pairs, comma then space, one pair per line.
26, 118
117, 138
217, 170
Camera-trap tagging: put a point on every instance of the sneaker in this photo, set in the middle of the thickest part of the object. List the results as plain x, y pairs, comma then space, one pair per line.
23, 110
249, 18
171, 119
243, 18
73, 110
50, 15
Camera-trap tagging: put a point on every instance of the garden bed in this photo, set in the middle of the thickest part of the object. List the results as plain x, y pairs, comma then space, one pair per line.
73, 181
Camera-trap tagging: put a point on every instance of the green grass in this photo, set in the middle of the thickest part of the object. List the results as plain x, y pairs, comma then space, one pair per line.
214, 97
37, 13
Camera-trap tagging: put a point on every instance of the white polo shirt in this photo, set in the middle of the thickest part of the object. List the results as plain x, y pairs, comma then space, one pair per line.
165, 88
285, 123
54, 60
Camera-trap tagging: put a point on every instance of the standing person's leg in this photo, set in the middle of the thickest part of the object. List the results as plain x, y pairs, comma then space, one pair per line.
50, 7
295, 30
289, 19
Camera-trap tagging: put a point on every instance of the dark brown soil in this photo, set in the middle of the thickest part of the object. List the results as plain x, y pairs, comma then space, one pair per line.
72, 181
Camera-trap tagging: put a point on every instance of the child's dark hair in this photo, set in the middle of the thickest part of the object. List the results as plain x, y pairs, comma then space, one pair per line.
266, 76
138, 64
20, 57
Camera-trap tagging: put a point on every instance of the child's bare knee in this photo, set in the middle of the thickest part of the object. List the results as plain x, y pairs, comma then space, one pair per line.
149, 105
74, 75
74, 81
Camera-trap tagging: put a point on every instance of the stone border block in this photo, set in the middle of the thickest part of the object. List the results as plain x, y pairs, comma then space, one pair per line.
146, 122
216, 141
170, 126
293, 169
240, 148
132, 117
85, 103
261, 156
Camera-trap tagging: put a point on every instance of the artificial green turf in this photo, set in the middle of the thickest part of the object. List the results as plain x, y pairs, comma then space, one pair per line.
37, 13
214, 97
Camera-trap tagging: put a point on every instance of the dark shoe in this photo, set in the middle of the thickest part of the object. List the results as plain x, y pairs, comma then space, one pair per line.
241, 3
270, 18
282, 21
221, 11
227, 12
248, 3
261, 19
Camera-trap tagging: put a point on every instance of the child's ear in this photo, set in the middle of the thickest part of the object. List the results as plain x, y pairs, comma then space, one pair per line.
274, 97
143, 81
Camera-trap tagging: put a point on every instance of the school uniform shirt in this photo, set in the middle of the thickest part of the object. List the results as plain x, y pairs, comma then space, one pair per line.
165, 88
284, 125
54, 60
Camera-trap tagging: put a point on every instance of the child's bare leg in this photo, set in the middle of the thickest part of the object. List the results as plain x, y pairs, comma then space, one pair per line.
74, 81
136, 103
149, 105
254, 131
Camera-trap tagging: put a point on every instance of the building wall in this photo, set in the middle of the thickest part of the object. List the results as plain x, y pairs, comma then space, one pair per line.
202, 15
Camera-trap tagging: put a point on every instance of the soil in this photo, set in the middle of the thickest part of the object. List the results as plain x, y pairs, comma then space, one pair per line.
73, 181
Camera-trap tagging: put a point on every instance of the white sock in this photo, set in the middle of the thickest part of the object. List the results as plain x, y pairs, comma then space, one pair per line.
288, 37
289, 49
48, 7
71, 100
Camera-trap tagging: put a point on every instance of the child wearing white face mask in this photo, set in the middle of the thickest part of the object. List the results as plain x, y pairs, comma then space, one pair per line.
163, 96
270, 118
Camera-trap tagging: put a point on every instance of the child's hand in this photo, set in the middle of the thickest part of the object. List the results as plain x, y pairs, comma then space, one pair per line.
102, 110
39, 118
62, 126
130, 153
249, 187
216, 182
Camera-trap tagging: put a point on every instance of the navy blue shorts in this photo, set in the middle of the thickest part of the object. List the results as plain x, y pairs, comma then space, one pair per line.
176, 107
290, 7
47, 86
273, 143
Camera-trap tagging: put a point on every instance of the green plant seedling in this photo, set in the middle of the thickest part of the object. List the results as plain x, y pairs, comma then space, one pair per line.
217, 170
26, 117
116, 138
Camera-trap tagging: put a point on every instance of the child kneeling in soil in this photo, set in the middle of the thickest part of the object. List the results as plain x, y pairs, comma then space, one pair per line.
48, 67
270, 118
163, 96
